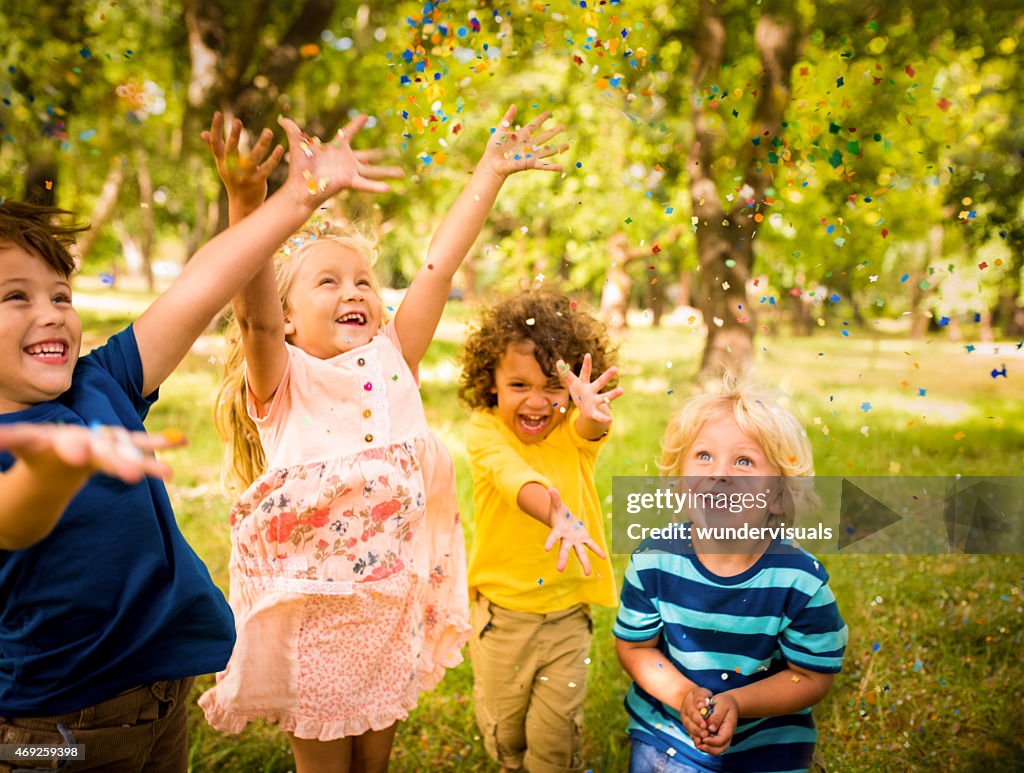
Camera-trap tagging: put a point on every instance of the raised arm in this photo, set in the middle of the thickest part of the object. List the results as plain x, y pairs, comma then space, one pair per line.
53, 462
509, 150
257, 306
227, 262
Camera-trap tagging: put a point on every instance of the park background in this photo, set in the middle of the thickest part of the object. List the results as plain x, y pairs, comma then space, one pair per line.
830, 193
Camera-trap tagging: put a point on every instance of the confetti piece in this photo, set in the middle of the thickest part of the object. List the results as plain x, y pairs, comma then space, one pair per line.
174, 435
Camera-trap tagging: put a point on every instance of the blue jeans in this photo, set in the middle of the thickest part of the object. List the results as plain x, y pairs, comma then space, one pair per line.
644, 758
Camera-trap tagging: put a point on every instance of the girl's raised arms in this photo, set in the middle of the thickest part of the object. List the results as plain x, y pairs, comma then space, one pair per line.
257, 306
168, 328
509, 150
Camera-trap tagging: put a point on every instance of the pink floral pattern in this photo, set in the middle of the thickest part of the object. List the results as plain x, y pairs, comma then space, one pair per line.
364, 570
348, 568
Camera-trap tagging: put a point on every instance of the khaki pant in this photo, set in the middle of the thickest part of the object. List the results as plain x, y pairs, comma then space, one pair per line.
144, 730
529, 681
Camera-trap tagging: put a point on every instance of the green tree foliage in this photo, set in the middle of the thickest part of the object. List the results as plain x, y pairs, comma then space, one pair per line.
855, 209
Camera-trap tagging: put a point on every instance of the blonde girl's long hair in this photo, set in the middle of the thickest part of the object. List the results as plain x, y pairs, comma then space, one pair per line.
244, 460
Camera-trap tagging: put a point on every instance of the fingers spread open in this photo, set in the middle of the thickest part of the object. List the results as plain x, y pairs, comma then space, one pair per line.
581, 553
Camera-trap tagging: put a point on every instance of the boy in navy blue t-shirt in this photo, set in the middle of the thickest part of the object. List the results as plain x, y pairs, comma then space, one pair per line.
107, 612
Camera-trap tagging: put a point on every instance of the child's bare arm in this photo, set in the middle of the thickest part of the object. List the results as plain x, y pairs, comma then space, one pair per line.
509, 150
245, 181
54, 461
166, 331
595, 410
257, 305
649, 668
790, 690
244, 177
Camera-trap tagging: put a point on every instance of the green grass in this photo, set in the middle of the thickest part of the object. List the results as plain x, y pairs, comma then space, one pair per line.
932, 675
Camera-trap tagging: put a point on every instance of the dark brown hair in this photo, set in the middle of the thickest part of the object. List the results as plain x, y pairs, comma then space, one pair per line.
42, 231
556, 325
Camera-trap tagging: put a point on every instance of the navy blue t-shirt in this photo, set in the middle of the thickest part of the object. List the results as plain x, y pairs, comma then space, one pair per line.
114, 597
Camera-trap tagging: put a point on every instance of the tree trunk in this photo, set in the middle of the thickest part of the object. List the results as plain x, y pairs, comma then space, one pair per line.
103, 208
1009, 309
725, 238
148, 226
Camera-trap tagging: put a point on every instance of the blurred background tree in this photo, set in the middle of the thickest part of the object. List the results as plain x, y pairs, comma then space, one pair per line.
792, 167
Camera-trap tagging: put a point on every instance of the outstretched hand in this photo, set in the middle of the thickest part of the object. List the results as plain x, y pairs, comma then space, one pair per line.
570, 531
111, 450
514, 149
318, 170
244, 176
586, 394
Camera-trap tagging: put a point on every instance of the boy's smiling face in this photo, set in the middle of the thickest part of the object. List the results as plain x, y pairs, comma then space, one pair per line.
40, 331
530, 402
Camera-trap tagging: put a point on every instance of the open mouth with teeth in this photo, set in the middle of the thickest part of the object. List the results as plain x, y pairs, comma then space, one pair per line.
357, 318
55, 352
532, 424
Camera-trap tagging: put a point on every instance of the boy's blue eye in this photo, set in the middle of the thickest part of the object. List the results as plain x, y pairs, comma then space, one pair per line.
745, 461
704, 456
327, 280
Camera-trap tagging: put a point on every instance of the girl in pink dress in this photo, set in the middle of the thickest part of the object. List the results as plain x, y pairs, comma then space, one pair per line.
348, 577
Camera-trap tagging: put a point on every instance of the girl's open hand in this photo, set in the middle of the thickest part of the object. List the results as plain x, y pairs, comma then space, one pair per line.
244, 176
319, 170
111, 450
515, 149
586, 394
570, 531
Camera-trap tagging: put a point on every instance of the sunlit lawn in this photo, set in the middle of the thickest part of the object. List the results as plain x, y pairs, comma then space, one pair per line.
933, 672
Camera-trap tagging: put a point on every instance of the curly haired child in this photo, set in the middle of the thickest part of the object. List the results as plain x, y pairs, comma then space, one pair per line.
537, 426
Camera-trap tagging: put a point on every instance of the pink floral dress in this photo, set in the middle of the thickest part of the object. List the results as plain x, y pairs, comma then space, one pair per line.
348, 569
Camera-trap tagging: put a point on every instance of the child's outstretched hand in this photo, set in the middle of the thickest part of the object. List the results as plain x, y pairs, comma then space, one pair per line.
512, 149
569, 529
318, 170
586, 394
244, 177
111, 450
710, 720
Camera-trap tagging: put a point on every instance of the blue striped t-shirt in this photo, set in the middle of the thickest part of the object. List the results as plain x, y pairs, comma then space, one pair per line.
727, 632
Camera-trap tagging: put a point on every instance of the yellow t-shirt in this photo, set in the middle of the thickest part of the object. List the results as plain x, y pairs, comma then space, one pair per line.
507, 562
